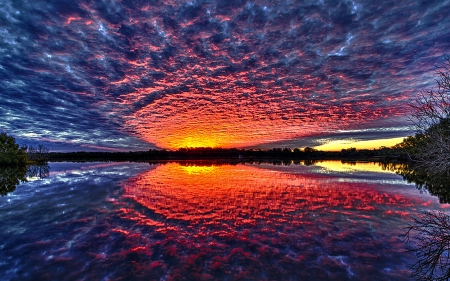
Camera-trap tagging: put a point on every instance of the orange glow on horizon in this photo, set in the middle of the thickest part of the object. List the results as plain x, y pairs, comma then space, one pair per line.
338, 145
223, 120
219, 127
195, 138
244, 117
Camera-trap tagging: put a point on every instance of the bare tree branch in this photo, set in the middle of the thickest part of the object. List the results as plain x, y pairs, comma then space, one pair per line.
431, 119
428, 238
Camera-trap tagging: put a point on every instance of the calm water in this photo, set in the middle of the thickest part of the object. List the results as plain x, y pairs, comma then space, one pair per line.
116, 221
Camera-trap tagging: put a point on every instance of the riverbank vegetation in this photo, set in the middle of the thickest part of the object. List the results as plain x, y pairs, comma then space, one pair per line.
11, 154
428, 236
429, 148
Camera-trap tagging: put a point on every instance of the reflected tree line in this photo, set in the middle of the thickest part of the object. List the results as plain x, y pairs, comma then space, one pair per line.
436, 184
12, 176
428, 236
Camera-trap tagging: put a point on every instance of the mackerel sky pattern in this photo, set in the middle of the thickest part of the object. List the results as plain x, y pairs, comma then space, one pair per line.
134, 75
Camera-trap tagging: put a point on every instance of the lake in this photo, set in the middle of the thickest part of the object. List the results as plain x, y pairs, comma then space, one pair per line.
210, 221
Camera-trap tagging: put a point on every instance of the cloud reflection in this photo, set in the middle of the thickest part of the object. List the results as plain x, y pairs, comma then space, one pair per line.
177, 221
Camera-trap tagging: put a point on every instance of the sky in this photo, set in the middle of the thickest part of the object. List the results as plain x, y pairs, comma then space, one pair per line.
116, 75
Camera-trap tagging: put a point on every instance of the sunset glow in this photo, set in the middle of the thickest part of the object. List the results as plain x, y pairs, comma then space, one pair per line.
338, 145
221, 120
129, 75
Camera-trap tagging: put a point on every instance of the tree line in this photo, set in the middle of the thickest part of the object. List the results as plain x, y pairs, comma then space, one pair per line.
200, 153
12, 154
429, 148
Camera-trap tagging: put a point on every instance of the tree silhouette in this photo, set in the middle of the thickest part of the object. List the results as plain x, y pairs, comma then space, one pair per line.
39, 153
431, 118
10, 152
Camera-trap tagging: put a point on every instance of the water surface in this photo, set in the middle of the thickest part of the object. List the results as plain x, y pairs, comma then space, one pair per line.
197, 221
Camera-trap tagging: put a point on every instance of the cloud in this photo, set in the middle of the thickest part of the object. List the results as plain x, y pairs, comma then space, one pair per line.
139, 75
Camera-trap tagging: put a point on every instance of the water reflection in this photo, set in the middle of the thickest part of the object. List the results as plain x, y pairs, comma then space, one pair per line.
245, 194
343, 166
257, 220
184, 221
437, 185
11, 177
38, 171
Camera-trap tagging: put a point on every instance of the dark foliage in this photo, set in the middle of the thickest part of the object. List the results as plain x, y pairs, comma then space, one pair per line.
430, 147
10, 152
